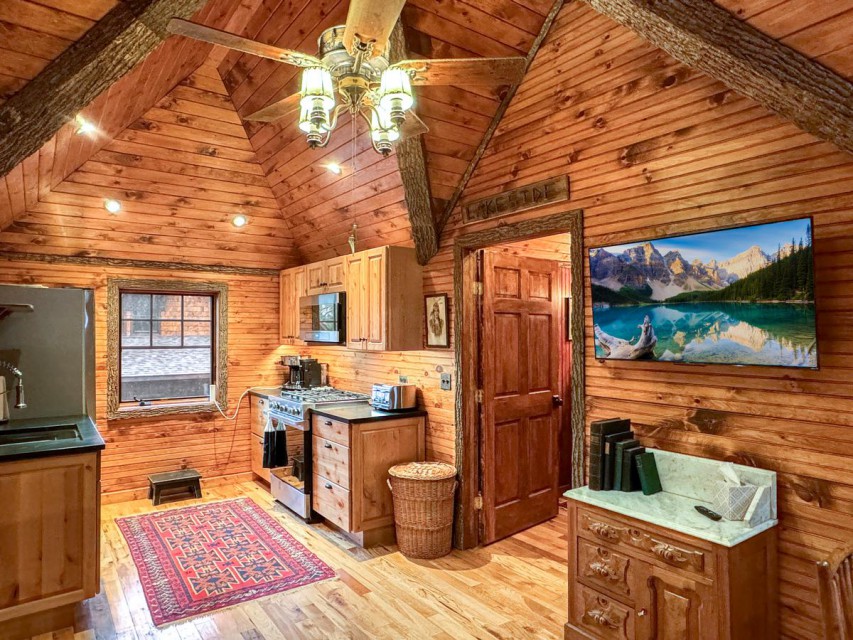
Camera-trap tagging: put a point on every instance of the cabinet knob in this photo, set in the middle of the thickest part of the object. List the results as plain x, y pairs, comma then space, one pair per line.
641, 613
328, 485
328, 423
328, 445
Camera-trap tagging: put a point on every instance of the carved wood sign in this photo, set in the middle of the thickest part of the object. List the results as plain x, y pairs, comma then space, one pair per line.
515, 200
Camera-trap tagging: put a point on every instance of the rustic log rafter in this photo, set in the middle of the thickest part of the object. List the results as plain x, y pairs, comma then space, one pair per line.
106, 52
703, 35
413, 173
499, 114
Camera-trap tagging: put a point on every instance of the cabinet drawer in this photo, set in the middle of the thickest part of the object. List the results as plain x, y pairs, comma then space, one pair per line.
601, 616
257, 457
331, 460
630, 535
331, 501
604, 568
333, 430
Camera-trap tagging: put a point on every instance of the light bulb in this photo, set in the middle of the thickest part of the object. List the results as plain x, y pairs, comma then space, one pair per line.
113, 206
84, 126
395, 94
334, 167
317, 90
239, 220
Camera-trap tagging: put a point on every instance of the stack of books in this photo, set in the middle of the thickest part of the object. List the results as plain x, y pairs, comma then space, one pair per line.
617, 460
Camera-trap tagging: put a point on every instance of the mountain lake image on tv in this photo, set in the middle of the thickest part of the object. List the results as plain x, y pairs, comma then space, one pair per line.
742, 296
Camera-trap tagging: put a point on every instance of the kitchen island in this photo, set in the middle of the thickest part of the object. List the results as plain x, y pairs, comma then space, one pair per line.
49, 521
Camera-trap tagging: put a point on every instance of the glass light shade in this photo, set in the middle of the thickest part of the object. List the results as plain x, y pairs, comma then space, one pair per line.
395, 85
381, 127
317, 86
306, 124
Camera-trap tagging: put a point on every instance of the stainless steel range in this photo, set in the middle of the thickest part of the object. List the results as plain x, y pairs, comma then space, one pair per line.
291, 485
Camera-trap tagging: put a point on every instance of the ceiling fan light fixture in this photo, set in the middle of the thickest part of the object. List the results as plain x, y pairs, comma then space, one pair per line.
381, 129
317, 89
395, 94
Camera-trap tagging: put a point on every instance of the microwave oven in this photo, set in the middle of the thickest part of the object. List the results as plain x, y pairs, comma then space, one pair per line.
322, 318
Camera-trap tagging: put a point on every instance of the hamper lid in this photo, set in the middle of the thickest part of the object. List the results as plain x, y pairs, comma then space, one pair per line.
423, 471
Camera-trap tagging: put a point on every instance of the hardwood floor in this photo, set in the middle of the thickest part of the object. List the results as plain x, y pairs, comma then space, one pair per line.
515, 588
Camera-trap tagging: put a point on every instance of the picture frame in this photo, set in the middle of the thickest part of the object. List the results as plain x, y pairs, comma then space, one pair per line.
436, 321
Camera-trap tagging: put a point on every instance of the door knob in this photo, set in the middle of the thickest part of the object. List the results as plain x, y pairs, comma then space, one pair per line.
641, 613
557, 400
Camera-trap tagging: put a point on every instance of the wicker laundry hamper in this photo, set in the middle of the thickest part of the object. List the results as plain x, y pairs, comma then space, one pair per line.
423, 507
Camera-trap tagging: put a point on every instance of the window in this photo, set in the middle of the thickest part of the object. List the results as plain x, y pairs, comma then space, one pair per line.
166, 346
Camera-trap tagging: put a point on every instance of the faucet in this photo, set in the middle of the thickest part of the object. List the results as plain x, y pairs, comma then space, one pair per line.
19, 387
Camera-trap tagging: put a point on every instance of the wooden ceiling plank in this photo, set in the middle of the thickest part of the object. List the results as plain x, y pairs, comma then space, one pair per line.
34, 43
412, 164
709, 38
44, 19
534, 48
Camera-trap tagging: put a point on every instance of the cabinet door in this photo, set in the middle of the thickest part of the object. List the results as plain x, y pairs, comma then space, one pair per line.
676, 608
316, 278
356, 329
336, 273
375, 312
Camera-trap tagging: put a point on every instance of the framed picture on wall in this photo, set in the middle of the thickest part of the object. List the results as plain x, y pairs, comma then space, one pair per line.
437, 330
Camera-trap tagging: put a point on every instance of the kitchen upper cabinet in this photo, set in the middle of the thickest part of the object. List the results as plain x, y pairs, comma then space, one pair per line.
293, 286
384, 288
328, 276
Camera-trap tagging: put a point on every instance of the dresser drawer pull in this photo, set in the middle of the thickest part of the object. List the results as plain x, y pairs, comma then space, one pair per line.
327, 445
667, 552
603, 571
328, 485
604, 531
328, 423
601, 618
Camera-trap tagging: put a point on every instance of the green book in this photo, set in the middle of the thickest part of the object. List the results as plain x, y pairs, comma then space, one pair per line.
648, 471
620, 453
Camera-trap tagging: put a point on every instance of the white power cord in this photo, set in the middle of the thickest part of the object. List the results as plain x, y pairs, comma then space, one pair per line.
239, 402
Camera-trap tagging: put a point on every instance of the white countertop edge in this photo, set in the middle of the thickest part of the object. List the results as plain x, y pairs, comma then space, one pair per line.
726, 541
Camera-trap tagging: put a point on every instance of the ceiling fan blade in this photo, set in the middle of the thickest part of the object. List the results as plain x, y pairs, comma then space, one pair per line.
232, 41
277, 110
465, 71
412, 126
371, 21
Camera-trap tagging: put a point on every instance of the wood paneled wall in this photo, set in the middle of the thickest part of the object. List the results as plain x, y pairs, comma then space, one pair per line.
654, 148
206, 442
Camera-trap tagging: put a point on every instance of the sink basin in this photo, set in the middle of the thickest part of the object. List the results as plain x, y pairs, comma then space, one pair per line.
40, 434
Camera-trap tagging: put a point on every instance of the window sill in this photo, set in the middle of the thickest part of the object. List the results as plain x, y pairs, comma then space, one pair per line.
162, 409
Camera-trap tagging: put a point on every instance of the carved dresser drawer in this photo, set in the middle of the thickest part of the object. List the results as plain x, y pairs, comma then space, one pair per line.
604, 568
603, 617
629, 535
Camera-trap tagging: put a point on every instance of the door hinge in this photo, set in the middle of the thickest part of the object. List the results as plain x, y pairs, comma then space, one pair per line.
478, 288
478, 502
479, 396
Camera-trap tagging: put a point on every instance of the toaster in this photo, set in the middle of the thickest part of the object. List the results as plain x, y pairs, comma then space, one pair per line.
394, 397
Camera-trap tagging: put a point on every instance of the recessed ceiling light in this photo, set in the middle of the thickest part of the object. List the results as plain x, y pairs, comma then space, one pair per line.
334, 167
84, 126
113, 206
239, 220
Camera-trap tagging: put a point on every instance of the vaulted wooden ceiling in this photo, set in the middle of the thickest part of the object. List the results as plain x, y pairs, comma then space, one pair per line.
172, 145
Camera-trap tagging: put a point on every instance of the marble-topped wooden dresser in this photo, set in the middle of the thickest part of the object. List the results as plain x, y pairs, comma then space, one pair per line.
651, 567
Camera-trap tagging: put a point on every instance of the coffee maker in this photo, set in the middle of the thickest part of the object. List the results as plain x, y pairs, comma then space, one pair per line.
301, 373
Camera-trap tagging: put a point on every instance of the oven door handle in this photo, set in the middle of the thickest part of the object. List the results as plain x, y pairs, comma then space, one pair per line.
289, 421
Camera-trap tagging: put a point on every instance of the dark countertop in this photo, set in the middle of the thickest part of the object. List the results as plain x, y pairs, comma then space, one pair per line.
363, 412
266, 392
89, 440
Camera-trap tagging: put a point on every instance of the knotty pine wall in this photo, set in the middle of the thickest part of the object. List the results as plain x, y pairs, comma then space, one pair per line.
654, 148
206, 442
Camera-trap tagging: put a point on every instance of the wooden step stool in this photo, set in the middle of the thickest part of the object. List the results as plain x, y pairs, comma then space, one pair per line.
188, 479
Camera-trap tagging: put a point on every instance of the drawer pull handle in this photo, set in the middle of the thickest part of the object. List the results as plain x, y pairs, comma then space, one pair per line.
328, 423
668, 553
603, 571
328, 445
328, 485
601, 618
604, 531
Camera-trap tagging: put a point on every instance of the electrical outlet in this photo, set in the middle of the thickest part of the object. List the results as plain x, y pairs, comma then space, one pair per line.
404, 379
211, 393
446, 382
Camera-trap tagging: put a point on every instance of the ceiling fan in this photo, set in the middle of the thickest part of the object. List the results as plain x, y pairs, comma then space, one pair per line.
352, 63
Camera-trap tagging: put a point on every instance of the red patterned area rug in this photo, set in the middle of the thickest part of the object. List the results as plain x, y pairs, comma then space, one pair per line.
198, 559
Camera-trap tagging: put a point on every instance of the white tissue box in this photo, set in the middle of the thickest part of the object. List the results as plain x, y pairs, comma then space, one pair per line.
732, 501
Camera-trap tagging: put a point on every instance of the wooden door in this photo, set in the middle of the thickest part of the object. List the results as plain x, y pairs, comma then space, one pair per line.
355, 300
676, 608
316, 278
286, 313
374, 312
520, 374
336, 270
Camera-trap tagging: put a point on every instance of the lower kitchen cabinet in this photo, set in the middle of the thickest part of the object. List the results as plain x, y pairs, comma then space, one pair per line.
258, 410
351, 462
629, 579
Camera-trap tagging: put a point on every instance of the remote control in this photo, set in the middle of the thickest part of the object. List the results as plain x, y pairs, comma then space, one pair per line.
705, 511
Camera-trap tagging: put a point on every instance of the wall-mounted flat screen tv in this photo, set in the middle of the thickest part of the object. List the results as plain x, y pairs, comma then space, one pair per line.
742, 296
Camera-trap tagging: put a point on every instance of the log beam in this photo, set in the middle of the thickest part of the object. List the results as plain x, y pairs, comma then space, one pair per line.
412, 165
107, 51
705, 36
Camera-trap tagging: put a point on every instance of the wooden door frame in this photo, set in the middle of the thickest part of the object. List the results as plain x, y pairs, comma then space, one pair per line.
466, 532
